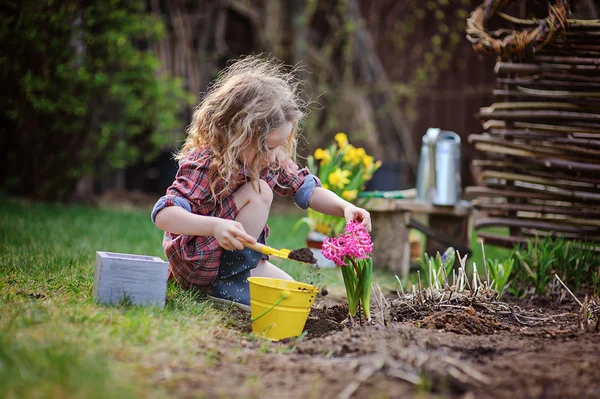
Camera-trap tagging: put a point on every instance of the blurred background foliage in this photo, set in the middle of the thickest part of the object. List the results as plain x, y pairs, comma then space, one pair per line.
82, 94
97, 94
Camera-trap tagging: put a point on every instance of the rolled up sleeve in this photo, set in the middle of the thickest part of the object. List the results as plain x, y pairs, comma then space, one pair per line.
304, 193
162, 203
190, 190
299, 183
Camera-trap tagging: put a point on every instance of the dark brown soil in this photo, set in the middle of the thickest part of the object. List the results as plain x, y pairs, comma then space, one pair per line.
453, 352
325, 320
466, 322
303, 255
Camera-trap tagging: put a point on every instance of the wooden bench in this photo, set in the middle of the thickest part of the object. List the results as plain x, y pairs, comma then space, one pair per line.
393, 218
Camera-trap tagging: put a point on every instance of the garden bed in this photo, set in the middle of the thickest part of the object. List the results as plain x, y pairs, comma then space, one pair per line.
55, 342
533, 350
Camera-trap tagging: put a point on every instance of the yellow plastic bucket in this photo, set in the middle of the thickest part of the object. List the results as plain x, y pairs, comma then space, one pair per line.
279, 308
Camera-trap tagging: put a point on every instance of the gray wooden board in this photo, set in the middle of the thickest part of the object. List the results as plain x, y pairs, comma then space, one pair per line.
139, 278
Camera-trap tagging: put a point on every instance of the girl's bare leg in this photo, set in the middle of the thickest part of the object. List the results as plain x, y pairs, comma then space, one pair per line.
253, 207
267, 269
253, 212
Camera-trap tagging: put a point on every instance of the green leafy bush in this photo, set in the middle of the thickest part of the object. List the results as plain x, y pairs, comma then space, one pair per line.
82, 92
575, 263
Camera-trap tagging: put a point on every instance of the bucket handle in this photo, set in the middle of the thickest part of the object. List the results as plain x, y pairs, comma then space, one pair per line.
271, 308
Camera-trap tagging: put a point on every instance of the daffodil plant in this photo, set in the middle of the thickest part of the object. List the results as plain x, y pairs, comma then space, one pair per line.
352, 251
343, 169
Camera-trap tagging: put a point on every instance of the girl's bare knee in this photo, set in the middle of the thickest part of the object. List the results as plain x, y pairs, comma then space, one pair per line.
247, 194
266, 192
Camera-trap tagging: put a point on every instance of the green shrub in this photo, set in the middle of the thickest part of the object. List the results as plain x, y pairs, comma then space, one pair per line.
575, 263
81, 92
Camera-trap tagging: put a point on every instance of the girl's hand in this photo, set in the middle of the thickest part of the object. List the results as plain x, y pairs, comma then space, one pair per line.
228, 232
352, 212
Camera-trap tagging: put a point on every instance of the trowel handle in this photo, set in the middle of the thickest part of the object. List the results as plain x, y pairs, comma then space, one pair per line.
258, 247
266, 250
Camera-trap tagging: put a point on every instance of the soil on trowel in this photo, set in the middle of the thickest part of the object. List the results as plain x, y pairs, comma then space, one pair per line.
303, 255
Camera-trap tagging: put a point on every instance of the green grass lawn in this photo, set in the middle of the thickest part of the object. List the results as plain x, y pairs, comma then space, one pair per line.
56, 342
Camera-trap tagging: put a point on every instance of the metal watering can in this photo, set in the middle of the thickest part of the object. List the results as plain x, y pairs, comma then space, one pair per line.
438, 179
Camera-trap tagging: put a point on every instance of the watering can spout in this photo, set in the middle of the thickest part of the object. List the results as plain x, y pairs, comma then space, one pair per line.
438, 179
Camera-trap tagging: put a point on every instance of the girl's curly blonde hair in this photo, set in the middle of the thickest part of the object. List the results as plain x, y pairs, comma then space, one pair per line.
249, 98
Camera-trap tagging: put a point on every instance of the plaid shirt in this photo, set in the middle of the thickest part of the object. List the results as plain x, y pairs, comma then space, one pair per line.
194, 260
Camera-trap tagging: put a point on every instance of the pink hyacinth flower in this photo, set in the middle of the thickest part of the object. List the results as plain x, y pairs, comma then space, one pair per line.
355, 242
358, 240
334, 250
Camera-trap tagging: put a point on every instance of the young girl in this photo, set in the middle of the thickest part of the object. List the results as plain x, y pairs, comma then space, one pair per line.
239, 148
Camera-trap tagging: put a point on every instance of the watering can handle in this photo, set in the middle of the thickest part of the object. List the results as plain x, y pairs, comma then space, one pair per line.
432, 137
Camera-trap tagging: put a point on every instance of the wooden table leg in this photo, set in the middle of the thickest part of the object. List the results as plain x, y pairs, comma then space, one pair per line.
456, 228
391, 248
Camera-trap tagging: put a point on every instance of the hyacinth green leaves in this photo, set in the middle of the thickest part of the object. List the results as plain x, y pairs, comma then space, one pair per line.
438, 268
352, 251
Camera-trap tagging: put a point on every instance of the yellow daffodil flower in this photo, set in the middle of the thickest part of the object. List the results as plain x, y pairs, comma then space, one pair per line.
339, 178
322, 155
323, 228
350, 195
367, 161
342, 139
347, 148
354, 155
325, 186
361, 152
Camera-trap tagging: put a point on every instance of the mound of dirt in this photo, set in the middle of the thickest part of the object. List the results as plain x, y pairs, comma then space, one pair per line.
325, 320
465, 322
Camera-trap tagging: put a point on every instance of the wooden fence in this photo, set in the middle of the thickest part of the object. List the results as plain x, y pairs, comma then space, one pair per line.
539, 154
